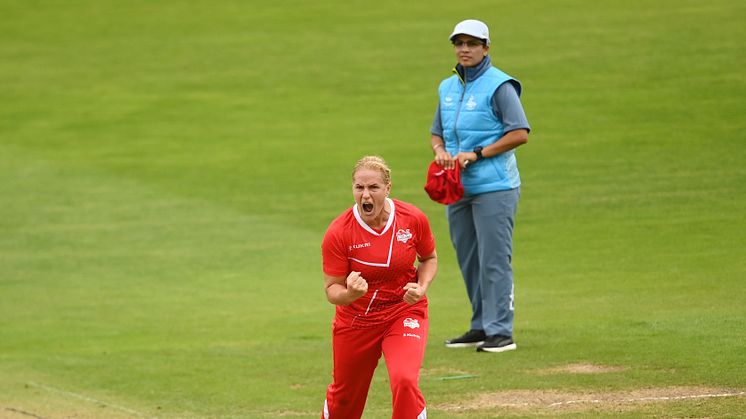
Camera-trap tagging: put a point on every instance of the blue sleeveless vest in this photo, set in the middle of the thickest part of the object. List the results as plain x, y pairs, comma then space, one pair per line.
468, 121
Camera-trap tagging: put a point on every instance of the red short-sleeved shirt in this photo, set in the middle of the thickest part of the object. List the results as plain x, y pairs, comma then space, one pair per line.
385, 259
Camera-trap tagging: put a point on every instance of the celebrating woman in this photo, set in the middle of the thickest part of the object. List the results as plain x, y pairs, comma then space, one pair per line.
369, 255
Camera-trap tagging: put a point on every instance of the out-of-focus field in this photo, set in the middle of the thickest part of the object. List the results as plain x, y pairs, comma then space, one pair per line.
168, 169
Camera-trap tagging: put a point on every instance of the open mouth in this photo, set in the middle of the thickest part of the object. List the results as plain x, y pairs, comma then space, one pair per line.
367, 207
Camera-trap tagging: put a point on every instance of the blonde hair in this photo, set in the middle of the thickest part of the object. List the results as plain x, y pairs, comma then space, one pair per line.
373, 163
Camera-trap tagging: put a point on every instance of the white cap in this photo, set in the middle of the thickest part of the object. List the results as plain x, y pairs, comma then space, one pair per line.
475, 28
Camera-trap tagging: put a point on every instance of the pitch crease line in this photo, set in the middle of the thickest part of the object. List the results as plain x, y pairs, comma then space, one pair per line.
85, 398
642, 399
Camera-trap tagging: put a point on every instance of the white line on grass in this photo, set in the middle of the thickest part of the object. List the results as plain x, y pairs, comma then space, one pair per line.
645, 399
23, 412
85, 398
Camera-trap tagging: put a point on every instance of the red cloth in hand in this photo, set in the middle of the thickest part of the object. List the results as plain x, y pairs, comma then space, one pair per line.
443, 185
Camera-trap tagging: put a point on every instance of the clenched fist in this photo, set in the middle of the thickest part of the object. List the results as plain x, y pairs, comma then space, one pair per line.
414, 292
357, 286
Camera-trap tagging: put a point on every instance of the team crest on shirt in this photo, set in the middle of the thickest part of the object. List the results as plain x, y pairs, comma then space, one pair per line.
411, 323
403, 235
471, 104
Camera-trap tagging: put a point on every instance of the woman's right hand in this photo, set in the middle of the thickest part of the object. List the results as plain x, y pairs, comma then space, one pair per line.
357, 286
444, 159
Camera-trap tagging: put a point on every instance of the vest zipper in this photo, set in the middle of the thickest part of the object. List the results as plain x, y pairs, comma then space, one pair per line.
458, 111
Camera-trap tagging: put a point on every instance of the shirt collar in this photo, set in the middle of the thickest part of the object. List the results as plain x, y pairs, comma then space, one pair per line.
472, 73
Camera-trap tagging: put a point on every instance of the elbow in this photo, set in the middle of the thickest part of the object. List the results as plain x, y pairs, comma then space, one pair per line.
336, 303
516, 138
337, 300
330, 296
522, 137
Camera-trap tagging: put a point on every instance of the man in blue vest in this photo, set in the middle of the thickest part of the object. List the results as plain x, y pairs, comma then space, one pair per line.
479, 123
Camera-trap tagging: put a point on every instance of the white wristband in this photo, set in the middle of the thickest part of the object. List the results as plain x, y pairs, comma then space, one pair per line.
435, 147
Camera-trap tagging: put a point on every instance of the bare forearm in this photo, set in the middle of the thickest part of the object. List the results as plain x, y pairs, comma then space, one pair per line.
426, 271
337, 295
507, 142
343, 291
437, 143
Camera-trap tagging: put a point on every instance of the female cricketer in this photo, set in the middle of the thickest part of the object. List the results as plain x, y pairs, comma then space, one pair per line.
369, 255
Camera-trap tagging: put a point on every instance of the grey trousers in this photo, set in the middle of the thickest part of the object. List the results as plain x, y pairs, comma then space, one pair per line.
481, 228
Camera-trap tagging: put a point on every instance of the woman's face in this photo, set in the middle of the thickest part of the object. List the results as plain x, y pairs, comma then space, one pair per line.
370, 193
470, 51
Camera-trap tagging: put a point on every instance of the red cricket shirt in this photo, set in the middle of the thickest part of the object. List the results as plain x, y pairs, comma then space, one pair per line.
385, 259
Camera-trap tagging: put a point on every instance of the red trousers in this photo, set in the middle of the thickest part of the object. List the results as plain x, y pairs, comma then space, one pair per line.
402, 342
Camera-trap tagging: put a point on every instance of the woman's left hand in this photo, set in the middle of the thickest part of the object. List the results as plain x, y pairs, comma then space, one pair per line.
465, 158
414, 293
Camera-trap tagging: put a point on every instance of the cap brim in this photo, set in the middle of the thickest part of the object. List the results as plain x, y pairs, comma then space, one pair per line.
455, 34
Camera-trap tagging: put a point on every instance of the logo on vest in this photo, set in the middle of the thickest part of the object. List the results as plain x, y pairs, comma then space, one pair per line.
403, 235
448, 101
471, 104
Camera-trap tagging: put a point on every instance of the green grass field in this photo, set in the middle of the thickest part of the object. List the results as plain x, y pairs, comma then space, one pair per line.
168, 169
